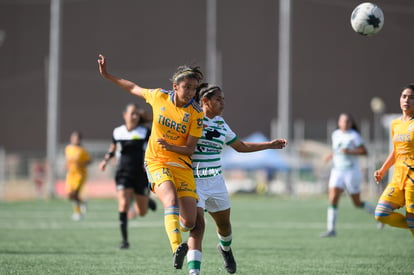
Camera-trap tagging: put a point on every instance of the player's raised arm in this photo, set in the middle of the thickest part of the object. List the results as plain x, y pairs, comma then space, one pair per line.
130, 86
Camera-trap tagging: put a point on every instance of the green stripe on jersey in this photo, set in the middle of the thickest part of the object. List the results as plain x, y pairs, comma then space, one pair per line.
205, 160
210, 146
212, 140
231, 141
204, 153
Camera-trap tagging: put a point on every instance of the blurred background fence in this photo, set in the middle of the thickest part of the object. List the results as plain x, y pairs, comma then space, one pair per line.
298, 170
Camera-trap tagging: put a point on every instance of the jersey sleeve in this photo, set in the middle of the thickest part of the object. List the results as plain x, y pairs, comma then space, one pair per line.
196, 127
113, 137
230, 135
150, 95
67, 153
358, 139
85, 156
392, 128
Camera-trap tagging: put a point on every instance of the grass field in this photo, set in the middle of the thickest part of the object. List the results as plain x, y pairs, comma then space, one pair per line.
272, 235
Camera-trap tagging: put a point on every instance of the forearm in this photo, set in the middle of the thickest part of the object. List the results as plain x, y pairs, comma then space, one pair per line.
110, 154
246, 147
388, 163
356, 151
182, 150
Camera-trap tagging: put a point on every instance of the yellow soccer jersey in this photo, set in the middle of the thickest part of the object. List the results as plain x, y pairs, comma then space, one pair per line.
76, 159
172, 123
402, 133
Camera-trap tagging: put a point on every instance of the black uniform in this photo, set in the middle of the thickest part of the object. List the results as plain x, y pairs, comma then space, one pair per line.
130, 172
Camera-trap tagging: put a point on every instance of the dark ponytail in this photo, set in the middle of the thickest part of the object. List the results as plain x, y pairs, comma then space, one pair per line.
205, 90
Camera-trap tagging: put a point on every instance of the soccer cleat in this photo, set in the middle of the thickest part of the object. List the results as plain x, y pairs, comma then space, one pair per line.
76, 216
152, 204
380, 225
229, 262
179, 255
124, 245
331, 233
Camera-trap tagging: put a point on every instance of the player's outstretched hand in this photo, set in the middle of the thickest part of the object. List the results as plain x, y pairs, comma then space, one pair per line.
102, 65
278, 143
102, 165
378, 175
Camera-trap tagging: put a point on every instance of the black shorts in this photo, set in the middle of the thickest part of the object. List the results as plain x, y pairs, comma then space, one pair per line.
135, 179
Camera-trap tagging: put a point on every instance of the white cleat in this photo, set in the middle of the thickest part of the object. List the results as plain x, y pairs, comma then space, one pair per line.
331, 233
76, 216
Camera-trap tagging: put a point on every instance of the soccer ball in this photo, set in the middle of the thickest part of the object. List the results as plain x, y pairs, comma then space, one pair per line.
367, 19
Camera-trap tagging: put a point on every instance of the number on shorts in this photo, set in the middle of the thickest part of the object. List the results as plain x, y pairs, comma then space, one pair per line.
391, 191
166, 171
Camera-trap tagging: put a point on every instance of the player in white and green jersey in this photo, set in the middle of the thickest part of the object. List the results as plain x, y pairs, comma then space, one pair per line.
347, 146
207, 157
211, 189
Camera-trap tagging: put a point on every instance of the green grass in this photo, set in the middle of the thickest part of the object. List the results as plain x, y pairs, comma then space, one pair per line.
272, 235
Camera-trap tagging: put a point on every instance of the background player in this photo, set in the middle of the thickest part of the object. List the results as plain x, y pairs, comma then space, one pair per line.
211, 189
400, 191
176, 127
131, 179
347, 145
77, 160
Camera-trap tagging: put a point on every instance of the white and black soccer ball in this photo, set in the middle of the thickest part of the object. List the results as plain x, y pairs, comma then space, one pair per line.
367, 19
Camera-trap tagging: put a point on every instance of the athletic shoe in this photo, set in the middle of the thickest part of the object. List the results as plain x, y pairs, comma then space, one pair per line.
179, 255
380, 225
152, 204
229, 262
124, 245
76, 216
331, 233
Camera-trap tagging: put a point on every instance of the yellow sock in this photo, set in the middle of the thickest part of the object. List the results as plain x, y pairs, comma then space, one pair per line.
172, 224
76, 208
385, 213
394, 219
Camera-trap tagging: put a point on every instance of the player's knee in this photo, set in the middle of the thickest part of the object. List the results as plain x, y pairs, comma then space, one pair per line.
72, 196
382, 211
142, 212
186, 226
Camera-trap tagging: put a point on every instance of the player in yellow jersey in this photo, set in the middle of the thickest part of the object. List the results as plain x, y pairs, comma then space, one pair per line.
77, 160
177, 125
400, 191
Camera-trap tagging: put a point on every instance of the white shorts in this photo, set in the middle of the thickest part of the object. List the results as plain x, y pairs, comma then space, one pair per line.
212, 193
349, 180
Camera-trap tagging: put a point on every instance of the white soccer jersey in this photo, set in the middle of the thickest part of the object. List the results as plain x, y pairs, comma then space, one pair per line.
207, 156
350, 139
